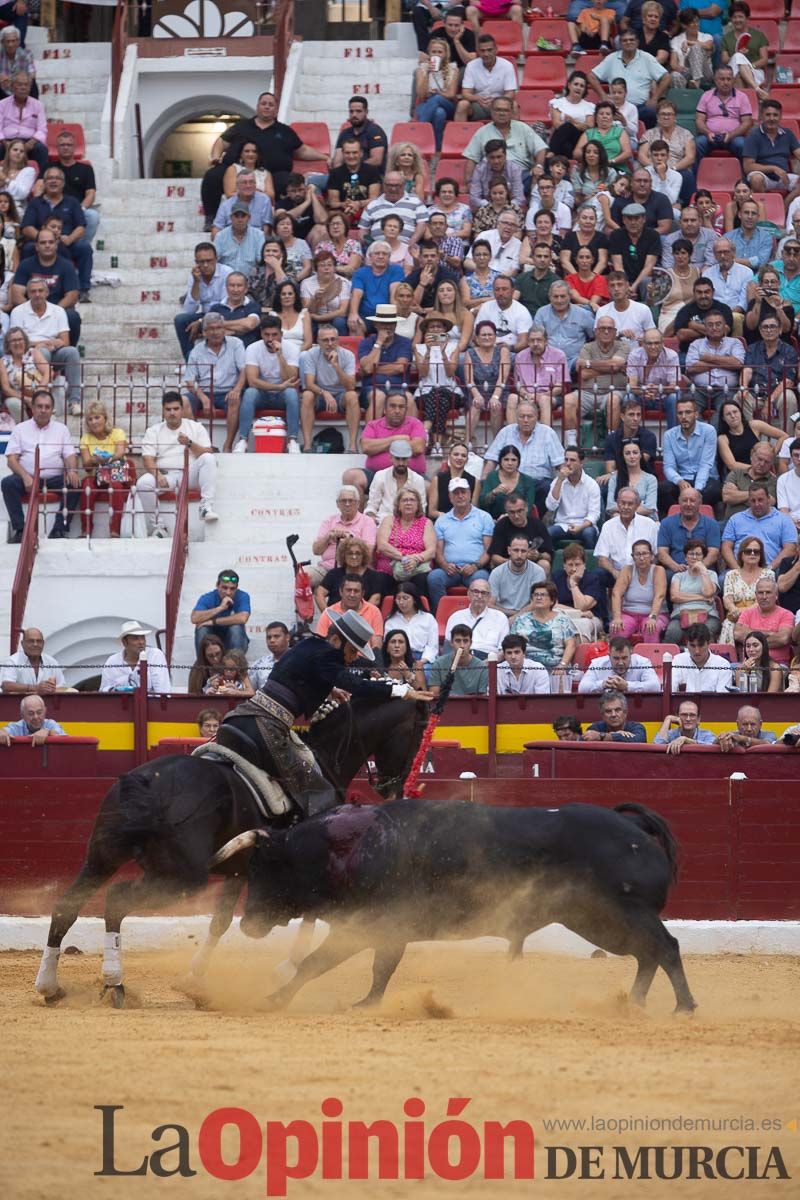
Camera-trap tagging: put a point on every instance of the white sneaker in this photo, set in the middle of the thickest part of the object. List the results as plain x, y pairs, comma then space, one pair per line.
293, 447
160, 531
207, 513
240, 447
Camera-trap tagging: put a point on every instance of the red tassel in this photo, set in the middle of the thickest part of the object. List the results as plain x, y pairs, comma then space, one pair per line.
412, 787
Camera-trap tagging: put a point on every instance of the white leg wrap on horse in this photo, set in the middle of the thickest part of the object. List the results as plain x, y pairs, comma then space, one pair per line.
112, 960
47, 976
285, 971
199, 964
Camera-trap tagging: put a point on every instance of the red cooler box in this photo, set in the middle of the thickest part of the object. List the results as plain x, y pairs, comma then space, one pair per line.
270, 435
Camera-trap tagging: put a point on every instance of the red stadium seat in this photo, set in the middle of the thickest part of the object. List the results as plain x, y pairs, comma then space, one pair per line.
419, 133
314, 134
507, 34
447, 606
655, 651
792, 61
791, 38
789, 97
544, 74
774, 9
535, 106
559, 9
554, 31
720, 173
774, 207
54, 128
387, 604
350, 343
793, 125
725, 650
587, 62
452, 168
721, 198
457, 136
772, 32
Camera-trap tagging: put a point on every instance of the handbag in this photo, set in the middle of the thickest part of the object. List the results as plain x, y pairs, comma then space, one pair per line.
693, 616
118, 471
401, 572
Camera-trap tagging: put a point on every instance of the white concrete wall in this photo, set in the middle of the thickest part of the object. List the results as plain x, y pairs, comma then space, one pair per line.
173, 90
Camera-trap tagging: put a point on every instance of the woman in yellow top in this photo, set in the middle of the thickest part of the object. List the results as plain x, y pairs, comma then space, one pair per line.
103, 450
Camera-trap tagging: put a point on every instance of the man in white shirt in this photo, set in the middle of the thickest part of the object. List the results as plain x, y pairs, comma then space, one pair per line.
696, 668
574, 498
620, 670
388, 482
789, 485
617, 536
121, 670
518, 676
58, 465
485, 78
510, 318
31, 671
47, 328
489, 626
163, 451
278, 642
631, 317
505, 244
511, 582
272, 370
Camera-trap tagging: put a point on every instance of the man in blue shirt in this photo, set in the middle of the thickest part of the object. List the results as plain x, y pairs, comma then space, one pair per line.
224, 612
690, 459
258, 204
241, 316
684, 729
770, 152
615, 726
74, 245
373, 284
58, 273
462, 544
33, 723
674, 532
568, 326
541, 451
775, 530
752, 245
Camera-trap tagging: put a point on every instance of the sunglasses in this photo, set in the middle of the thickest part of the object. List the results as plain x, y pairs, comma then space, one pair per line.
228, 578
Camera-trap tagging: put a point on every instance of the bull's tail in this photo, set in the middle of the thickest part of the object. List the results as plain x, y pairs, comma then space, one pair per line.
656, 827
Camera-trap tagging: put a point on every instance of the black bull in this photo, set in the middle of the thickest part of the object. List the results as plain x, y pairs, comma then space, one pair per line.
417, 870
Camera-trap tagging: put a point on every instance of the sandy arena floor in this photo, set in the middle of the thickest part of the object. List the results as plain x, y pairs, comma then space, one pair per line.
545, 1038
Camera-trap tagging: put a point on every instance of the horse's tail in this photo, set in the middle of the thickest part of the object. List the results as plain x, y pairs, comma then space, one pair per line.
656, 827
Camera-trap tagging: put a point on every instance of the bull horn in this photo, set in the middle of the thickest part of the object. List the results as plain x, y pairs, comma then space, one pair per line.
242, 841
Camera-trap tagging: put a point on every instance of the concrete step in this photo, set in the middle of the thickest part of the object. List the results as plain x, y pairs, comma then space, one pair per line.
178, 241
134, 350
168, 188
81, 89
360, 52
139, 261
150, 313
129, 295
156, 208
99, 52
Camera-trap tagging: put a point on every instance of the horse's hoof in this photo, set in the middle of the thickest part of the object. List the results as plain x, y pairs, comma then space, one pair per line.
684, 1010
367, 1002
54, 999
117, 991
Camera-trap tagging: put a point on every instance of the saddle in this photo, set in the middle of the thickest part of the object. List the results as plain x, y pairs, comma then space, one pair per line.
269, 796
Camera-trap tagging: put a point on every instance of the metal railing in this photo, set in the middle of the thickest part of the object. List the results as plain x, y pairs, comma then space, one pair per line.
178, 556
27, 557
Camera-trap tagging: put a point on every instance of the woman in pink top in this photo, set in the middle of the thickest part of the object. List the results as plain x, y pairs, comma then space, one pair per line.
406, 543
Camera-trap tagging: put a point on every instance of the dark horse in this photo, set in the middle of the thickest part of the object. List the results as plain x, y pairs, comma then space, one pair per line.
172, 815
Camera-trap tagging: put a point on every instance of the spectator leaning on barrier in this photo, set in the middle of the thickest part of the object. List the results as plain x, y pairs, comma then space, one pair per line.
614, 725
278, 642
696, 669
683, 729
121, 670
33, 723
748, 731
58, 465
568, 729
29, 670
620, 670
472, 674
224, 612
163, 454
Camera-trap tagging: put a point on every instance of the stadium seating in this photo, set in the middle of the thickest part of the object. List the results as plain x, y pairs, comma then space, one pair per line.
791, 37
452, 168
535, 105
548, 74
719, 173
447, 606
774, 208
558, 8
419, 133
457, 136
553, 31
792, 61
507, 35
654, 652
759, 9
